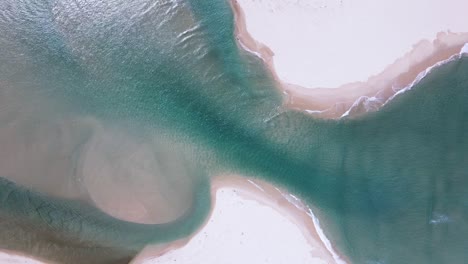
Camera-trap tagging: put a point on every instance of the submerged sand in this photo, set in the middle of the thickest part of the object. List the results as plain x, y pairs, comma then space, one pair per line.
250, 222
310, 45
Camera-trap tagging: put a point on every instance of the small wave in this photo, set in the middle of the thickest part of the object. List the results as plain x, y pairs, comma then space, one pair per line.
294, 200
324, 239
439, 219
369, 103
245, 47
464, 50
373, 103
256, 185
315, 111
424, 73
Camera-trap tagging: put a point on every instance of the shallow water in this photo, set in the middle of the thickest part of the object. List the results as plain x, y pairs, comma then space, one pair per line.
114, 115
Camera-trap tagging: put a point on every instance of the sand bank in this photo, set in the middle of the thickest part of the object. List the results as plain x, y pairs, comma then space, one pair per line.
312, 46
251, 222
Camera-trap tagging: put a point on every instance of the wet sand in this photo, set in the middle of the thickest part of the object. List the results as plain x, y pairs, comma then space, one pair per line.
17, 258
361, 96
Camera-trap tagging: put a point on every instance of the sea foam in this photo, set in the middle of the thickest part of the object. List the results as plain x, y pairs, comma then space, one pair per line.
294, 200
464, 50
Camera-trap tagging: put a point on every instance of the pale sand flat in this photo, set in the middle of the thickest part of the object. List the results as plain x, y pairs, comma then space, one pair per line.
328, 43
359, 47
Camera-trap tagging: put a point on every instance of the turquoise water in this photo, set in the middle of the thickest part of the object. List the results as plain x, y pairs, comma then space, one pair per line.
145, 101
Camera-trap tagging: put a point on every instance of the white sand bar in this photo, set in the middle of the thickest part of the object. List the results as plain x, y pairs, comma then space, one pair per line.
328, 43
243, 230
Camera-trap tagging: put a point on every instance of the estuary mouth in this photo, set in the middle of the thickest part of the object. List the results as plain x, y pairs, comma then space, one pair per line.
119, 119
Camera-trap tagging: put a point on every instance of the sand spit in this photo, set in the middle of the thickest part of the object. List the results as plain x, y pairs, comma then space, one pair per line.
251, 222
255, 23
